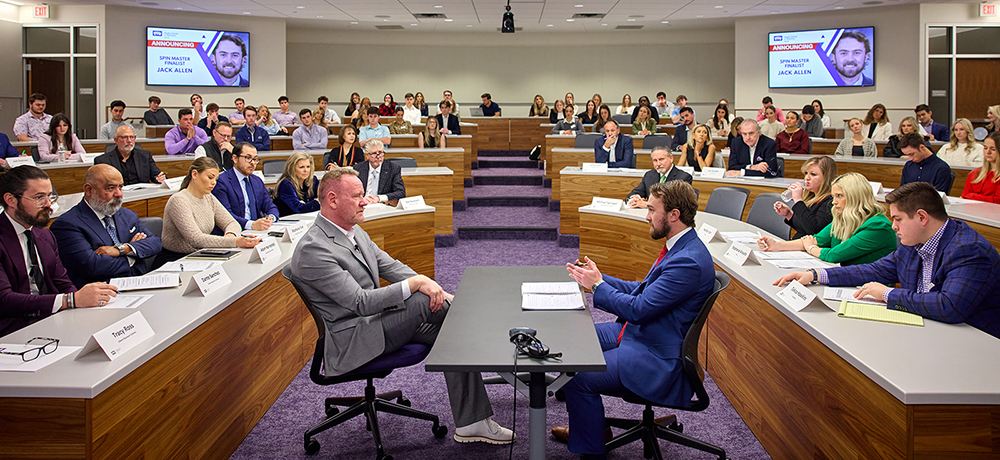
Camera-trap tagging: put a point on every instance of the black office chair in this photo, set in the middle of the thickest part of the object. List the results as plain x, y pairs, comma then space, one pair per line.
762, 215
403, 162
656, 140
273, 167
951, 183
623, 119
371, 403
781, 167
586, 140
728, 201
669, 429
155, 225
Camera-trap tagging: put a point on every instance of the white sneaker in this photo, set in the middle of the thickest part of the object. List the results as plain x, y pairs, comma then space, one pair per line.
485, 430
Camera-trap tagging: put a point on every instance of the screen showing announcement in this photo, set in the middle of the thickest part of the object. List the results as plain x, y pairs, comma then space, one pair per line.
821, 58
187, 57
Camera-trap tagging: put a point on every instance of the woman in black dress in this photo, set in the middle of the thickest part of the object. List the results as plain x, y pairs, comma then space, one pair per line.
813, 203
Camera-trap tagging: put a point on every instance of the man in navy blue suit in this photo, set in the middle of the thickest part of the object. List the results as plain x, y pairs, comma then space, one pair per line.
250, 132
644, 356
936, 131
684, 128
243, 193
98, 238
614, 149
851, 55
752, 154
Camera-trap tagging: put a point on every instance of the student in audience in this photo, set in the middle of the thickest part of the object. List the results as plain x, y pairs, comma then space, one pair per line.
31, 125
329, 115
117, 119
734, 131
859, 233
267, 122
219, 148
59, 141
685, 125
352, 106
399, 125
762, 113
192, 213
346, 154
603, 115
719, 123
135, 164
724, 102
538, 107
382, 180
447, 121
489, 108
924, 164
811, 198
156, 116
431, 136
388, 106
928, 126
211, 118
644, 125
309, 136
420, 103
626, 107
360, 116
285, 117
792, 139
33, 281
811, 122
374, 130
237, 118
752, 154
663, 171
297, 186
644, 102
411, 113
876, 124
570, 101
962, 149
185, 137
663, 106
943, 267
597, 100
981, 185
771, 126
857, 145
98, 238
818, 106
557, 112
699, 151
569, 125
992, 114
196, 107
454, 105
319, 119
614, 148
907, 125
250, 132
589, 116
7, 150
682, 101
243, 193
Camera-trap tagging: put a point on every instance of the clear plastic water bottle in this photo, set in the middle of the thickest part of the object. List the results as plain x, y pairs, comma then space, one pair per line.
61, 153
786, 196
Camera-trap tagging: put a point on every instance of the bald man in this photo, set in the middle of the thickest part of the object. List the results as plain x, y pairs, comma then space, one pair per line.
135, 164
98, 238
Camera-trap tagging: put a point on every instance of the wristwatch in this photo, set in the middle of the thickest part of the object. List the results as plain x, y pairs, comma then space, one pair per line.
121, 249
598, 283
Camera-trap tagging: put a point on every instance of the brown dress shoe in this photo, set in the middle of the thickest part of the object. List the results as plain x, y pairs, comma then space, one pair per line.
561, 433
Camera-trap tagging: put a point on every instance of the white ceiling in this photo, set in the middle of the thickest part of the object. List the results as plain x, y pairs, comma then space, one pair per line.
485, 15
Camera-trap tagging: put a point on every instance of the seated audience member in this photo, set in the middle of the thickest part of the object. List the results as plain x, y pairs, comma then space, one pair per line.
320, 120
243, 193
309, 136
60, 140
719, 123
196, 107
185, 137
685, 124
682, 101
388, 107
7, 150
924, 165
557, 111
251, 133
328, 115
192, 213
411, 113
792, 139
109, 129
811, 122
699, 151
346, 154
570, 100
98, 238
962, 149
447, 121
135, 164
734, 131
297, 186
374, 130
489, 108
981, 185
992, 114
603, 115
597, 99
644, 125
360, 116
936, 131
858, 234
955, 289
399, 125
657, 311
663, 106
156, 116
219, 148
614, 148
753, 154
589, 116
663, 171
431, 136
352, 106
285, 117
771, 126
876, 124
907, 125
644, 102
626, 107
237, 118
569, 125
762, 113
31, 125
538, 107
811, 198
381, 180
420, 103
211, 118
857, 145
267, 122
818, 107
33, 281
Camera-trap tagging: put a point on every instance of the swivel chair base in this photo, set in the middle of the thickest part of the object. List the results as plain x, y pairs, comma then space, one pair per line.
650, 428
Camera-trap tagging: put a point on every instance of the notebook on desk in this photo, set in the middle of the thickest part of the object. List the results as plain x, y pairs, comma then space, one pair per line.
877, 313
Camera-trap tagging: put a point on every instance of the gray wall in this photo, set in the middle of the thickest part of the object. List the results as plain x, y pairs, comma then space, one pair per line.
11, 74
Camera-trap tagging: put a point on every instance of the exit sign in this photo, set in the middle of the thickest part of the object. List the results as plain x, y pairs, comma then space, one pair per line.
42, 11
987, 10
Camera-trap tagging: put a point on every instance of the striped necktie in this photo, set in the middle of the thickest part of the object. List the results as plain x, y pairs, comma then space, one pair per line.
109, 225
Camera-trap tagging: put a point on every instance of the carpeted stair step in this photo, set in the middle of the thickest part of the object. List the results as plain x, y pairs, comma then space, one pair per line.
520, 163
507, 180
518, 201
502, 153
508, 233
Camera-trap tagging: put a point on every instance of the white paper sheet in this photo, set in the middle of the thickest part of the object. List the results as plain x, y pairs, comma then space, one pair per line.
804, 263
10, 363
569, 287
783, 255
848, 295
189, 265
732, 235
134, 187
552, 301
150, 281
128, 301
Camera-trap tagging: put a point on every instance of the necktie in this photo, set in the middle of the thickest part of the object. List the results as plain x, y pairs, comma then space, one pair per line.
34, 270
663, 253
251, 213
109, 225
611, 156
373, 184
663, 178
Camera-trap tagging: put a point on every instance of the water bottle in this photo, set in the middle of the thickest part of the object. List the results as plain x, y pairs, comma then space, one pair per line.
786, 196
61, 153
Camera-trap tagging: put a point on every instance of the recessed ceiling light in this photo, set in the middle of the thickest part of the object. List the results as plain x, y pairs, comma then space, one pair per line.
438, 6
381, 16
246, 12
548, 25
718, 7
385, 20
300, 7
468, 25
773, 12
414, 25
578, 6
838, 7
178, 8
631, 20
700, 16
448, 20
664, 22
570, 20
319, 17
354, 22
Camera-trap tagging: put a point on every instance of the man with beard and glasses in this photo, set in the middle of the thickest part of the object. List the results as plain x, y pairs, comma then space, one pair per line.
229, 57
98, 238
135, 164
33, 282
850, 56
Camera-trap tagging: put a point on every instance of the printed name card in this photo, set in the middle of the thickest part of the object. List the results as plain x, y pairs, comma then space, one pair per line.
294, 232
595, 167
208, 281
264, 251
741, 254
259, 174
944, 197
119, 337
607, 204
411, 202
687, 169
876, 187
708, 234
713, 173
173, 184
88, 158
14, 162
798, 296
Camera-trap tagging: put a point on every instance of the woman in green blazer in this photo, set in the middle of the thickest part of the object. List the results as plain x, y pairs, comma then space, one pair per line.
859, 234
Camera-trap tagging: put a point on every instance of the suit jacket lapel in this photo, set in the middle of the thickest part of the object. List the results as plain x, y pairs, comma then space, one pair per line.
13, 246
341, 239
236, 186
90, 218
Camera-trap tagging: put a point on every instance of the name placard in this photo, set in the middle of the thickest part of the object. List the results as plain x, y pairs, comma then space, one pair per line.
208, 281
944, 197
876, 187
713, 173
708, 234
88, 158
294, 232
119, 337
741, 254
264, 251
594, 167
798, 296
259, 174
173, 184
411, 202
607, 204
14, 162
687, 169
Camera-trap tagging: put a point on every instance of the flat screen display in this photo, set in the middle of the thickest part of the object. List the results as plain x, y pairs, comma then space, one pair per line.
821, 58
190, 57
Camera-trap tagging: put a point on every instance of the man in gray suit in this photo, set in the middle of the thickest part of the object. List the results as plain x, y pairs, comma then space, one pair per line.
663, 171
338, 267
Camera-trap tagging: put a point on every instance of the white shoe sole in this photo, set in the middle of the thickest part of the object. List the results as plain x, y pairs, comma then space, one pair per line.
468, 439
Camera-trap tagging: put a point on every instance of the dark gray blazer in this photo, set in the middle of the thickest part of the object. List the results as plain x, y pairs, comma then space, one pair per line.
653, 177
390, 180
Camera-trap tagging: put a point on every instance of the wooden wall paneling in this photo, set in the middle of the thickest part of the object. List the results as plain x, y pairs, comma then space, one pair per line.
67, 180
437, 192
435, 157
492, 133
154, 206
526, 133
91, 147
947, 431
281, 143
409, 238
177, 168
27, 424
464, 143
474, 132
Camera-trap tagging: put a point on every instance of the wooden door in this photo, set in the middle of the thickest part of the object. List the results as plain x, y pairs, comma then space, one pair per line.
49, 77
976, 87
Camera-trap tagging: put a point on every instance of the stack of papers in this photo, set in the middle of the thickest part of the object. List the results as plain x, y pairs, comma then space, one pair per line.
184, 265
848, 295
744, 238
551, 296
150, 281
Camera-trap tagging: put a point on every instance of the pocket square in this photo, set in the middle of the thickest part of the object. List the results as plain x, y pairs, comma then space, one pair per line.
133, 229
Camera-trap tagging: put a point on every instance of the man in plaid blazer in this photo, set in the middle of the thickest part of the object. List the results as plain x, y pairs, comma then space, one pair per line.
947, 271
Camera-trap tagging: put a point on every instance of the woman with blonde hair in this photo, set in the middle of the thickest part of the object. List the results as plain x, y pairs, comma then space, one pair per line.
296, 193
981, 185
597, 100
319, 118
860, 233
993, 115
857, 145
538, 107
626, 107
812, 209
876, 124
962, 148
571, 100
431, 136
699, 151
644, 124
556, 113
264, 120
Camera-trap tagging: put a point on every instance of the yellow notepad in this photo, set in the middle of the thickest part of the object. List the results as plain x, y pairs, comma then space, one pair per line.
877, 313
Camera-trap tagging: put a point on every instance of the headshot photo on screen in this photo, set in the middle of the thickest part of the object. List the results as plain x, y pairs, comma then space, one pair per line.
850, 56
230, 60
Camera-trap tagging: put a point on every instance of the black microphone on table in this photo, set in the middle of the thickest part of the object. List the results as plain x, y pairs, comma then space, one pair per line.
527, 344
